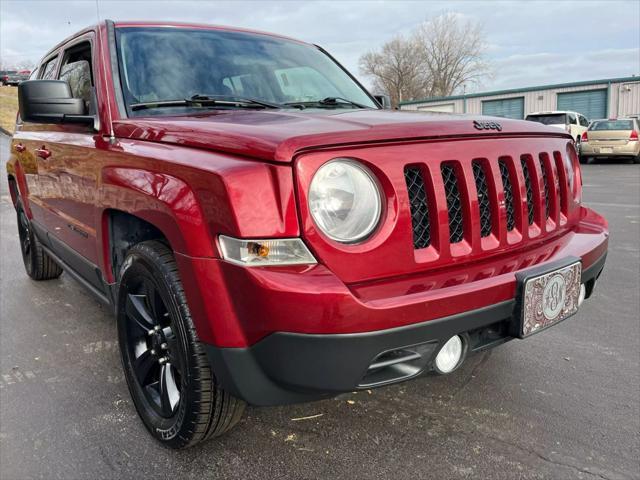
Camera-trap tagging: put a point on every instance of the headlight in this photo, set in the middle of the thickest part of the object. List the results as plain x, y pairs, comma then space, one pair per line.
262, 253
344, 200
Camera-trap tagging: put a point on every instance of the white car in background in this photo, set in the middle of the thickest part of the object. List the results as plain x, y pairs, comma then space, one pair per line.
571, 122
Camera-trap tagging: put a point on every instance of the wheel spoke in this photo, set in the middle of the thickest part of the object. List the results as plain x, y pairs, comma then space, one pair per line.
169, 393
137, 311
143, 365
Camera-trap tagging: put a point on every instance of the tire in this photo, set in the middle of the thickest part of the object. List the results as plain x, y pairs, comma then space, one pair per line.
168, 374
636, 160
37, 263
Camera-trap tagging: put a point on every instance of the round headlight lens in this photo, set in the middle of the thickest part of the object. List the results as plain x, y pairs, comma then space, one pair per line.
344, 200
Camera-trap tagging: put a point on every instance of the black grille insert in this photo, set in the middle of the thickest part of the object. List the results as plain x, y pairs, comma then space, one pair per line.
527, 183
484, 204
508, 194
545, 182
454, 203
419, 207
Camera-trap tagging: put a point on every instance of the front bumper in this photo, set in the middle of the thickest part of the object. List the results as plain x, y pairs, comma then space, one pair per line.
292, 367
631, 149
277, 336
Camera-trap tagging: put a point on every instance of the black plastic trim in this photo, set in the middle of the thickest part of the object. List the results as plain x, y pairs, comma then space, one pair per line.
292, 367
85, 272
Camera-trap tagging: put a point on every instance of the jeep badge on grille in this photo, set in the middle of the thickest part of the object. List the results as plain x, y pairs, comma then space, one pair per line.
487, 125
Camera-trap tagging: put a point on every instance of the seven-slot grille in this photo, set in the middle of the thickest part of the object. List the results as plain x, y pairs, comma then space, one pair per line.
544, 190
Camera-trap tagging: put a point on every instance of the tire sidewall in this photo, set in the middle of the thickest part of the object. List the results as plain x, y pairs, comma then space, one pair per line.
170, 431
29, 264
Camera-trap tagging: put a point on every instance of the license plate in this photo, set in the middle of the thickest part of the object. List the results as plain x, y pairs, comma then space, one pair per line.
548, 298
606, 150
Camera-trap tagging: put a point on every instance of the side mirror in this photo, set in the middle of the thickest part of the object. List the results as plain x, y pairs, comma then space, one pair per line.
50, 101
384, 101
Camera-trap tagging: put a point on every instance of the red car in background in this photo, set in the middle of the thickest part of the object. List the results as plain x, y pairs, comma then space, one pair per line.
265, 232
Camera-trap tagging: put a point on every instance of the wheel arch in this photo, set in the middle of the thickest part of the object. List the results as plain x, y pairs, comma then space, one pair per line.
141, 205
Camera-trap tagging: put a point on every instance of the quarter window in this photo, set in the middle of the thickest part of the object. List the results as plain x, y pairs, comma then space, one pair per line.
49, 70
572, 118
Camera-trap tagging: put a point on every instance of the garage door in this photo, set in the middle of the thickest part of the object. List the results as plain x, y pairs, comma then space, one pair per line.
591, 103
507, 107
443, 107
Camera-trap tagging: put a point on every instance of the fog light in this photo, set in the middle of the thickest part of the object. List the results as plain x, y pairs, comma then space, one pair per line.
583, 293
450, 355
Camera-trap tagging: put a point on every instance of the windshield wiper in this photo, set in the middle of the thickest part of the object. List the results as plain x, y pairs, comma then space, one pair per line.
232, 100
326, 102
207, 101
338, 100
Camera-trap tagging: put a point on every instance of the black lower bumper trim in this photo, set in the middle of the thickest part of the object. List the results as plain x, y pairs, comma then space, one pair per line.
289, 367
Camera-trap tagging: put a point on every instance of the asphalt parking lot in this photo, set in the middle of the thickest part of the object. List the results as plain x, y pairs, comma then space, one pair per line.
564, 404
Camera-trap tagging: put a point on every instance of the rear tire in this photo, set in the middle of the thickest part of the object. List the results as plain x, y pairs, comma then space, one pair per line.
37, 263
165, 364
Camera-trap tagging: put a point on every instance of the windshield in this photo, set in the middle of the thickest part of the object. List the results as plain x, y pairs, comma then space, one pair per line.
612, 125
553, 119
162, 64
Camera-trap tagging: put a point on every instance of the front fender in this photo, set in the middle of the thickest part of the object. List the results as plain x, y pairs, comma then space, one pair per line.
164, 201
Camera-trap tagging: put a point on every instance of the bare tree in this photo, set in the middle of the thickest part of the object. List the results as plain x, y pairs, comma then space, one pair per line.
453, 52
396, 70
440, 57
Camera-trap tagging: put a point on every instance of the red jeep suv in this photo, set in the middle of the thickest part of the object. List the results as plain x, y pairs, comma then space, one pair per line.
266, 233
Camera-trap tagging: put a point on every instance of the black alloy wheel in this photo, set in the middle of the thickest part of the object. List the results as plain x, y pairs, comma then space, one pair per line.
38, 264
166, 366
24, 233
152, 346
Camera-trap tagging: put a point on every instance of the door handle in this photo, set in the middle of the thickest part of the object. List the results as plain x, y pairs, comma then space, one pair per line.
43, 152
20, 148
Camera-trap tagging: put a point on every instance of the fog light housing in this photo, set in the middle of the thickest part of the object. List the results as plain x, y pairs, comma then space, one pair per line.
450, 355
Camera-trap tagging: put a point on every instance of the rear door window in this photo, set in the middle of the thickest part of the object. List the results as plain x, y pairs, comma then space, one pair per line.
572, 118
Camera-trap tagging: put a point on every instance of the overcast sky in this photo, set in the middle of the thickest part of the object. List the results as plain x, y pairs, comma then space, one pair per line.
530, 43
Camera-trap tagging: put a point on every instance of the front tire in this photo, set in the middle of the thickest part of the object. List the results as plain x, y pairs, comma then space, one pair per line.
165, 364
38, 264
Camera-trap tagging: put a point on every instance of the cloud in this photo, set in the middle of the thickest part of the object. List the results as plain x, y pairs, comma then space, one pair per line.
529, 42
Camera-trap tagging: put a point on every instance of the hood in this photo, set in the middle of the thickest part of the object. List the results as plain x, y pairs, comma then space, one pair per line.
278, 135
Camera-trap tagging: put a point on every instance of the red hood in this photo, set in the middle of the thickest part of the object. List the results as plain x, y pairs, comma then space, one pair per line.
277, 135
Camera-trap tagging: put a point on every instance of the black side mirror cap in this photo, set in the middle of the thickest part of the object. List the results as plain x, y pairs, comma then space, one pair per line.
50, 101
384, 101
